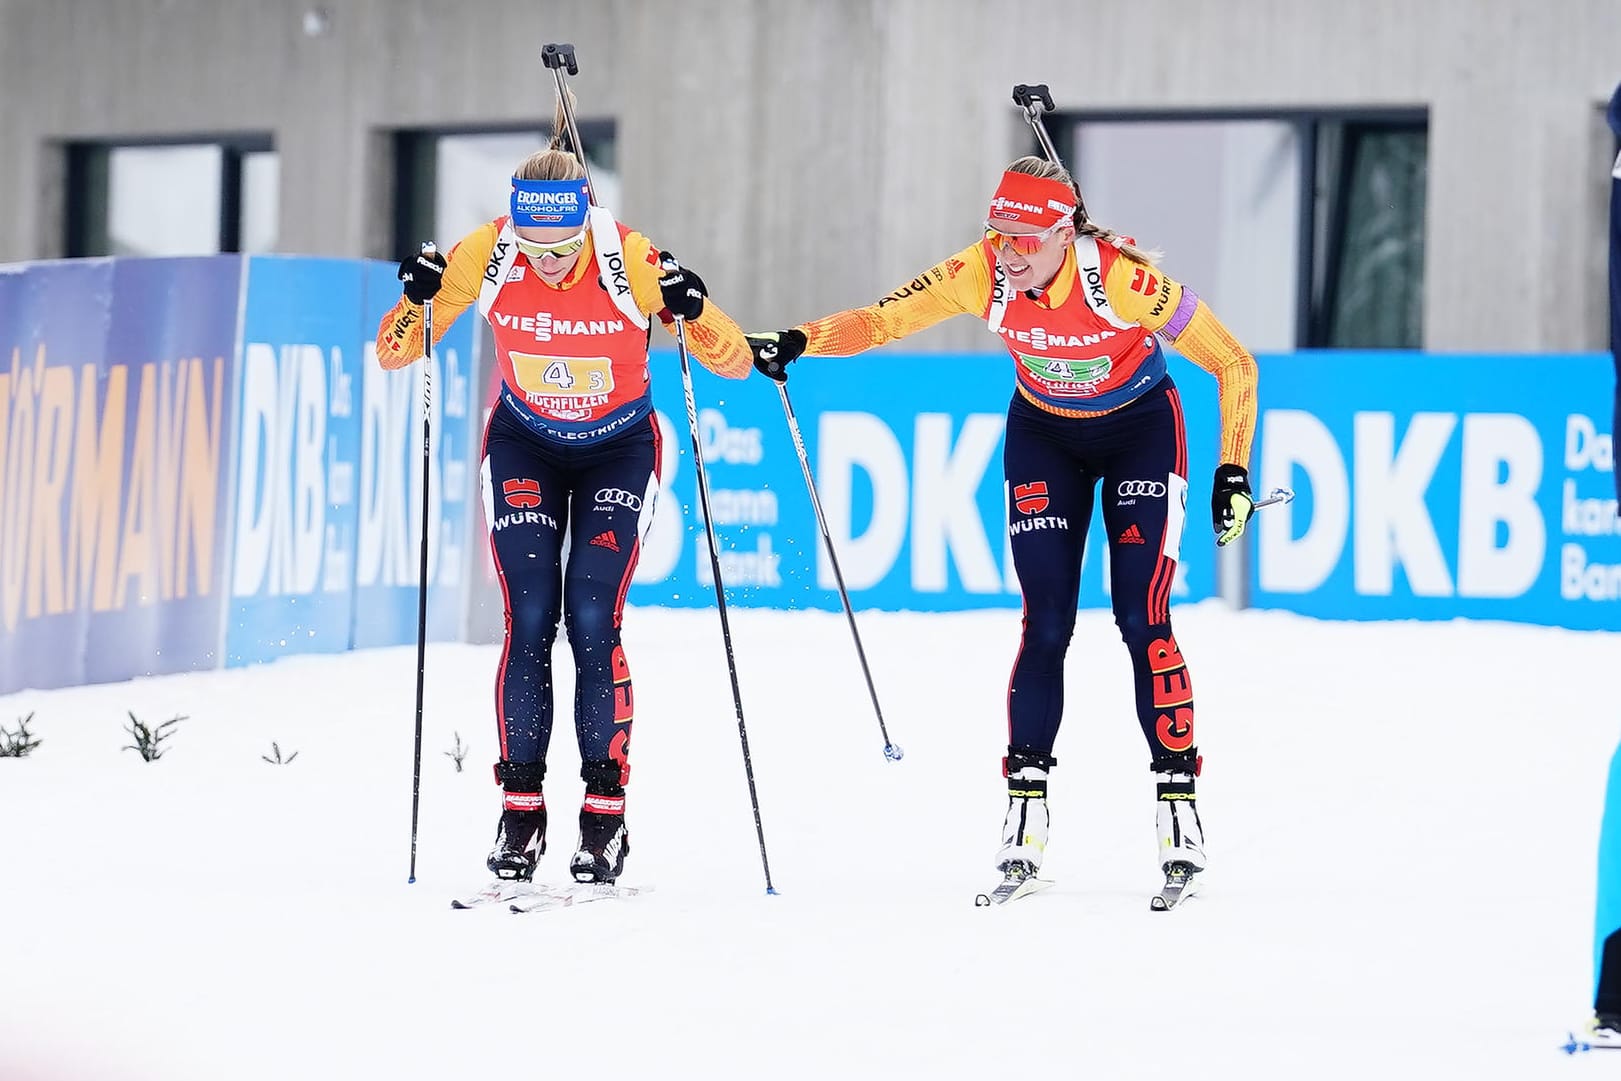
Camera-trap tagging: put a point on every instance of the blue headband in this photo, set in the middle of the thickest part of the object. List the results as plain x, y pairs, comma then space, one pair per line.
550, 203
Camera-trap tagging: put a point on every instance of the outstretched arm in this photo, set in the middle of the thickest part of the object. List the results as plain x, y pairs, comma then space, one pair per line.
957, 285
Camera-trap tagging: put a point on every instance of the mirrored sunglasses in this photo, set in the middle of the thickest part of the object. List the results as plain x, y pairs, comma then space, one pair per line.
560, 249
1022, 243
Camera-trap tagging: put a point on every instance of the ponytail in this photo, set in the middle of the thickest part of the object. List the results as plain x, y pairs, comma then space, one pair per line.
554, 162
1084, 226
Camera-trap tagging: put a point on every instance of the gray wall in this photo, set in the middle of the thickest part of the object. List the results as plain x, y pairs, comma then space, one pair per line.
807, 155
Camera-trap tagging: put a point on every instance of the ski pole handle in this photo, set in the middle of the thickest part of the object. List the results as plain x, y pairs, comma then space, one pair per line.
560, 57
668, 264
1034, 100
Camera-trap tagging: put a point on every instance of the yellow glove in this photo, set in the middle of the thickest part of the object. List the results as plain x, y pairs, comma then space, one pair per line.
1231, 503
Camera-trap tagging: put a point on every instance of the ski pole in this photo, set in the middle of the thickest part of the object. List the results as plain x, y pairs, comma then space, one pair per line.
557, 58
892, 751
720, 592
422, 568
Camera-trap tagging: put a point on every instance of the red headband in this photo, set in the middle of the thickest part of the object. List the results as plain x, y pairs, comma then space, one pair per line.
1032, 200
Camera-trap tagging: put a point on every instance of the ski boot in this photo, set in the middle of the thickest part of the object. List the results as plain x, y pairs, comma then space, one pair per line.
1024, 830
1181, 835
1604, 1030
520, 837
604, 841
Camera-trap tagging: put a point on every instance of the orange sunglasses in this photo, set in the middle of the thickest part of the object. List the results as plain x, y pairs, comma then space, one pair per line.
1022, 243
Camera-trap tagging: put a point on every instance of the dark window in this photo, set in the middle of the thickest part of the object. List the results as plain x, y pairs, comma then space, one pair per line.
1367, 284
1300, 229
447, 183
186, 197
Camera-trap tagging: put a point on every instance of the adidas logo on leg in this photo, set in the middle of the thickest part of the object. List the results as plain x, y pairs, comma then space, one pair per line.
607, 540
1132, 535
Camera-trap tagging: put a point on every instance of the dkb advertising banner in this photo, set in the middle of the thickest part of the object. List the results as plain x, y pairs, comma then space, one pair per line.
328, 468
1433, 486
389, 479
296, 466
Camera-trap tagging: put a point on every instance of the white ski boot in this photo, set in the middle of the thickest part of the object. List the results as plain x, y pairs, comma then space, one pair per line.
1024, 830
1181, 834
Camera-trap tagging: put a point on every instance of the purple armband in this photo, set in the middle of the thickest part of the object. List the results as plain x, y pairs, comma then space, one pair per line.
1180, 318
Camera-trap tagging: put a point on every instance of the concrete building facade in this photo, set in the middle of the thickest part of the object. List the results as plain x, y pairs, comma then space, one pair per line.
806, 155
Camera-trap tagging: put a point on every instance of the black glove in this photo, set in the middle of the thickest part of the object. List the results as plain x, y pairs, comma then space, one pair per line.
683, 290
774, 351
1231, 502
422, 274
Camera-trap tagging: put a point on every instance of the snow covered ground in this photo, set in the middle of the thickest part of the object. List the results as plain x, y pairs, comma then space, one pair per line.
1402, 823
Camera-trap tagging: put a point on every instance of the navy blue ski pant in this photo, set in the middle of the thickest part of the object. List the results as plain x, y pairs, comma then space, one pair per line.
1055, 467
599, 498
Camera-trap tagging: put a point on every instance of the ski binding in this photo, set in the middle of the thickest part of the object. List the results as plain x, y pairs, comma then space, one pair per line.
1179, 885
1018, 880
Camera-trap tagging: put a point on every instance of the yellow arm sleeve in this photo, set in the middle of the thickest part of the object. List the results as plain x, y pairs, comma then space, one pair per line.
961, 284
714, 337
1143, 295
1209, 345
399, 336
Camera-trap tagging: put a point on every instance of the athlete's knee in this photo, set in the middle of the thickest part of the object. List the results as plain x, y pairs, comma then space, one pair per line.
1132, 620
532, 618
1046, 638
588, 613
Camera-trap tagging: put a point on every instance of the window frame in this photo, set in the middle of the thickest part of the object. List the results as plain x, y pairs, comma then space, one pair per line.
1322, 211
86, 168
415, 171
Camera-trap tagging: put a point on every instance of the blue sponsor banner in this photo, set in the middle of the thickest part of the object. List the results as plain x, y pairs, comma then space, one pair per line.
906, 452
53, 340
388, 541
296, 468
112, 487
1437, 486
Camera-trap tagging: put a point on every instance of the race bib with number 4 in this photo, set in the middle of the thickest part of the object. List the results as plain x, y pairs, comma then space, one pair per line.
562, 377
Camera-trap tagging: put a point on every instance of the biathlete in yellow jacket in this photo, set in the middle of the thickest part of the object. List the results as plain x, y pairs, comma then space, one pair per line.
1081, 312
571, 448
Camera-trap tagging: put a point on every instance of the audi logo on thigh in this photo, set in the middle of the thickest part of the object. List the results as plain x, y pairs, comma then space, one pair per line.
633, 502
1151, 488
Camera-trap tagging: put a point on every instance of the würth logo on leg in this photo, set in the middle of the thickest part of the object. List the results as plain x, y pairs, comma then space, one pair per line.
521, 492
1030, 498
606, 540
